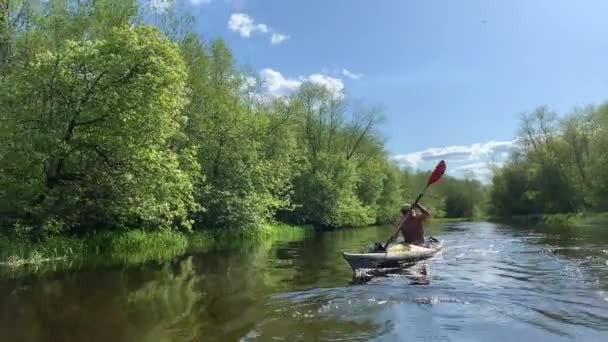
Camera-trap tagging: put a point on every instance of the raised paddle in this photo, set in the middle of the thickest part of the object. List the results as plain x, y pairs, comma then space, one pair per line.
435, 176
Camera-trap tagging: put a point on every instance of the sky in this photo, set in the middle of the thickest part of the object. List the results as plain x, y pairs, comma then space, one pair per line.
453, 77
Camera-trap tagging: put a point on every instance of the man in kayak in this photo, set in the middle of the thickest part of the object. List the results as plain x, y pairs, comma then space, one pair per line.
412, 229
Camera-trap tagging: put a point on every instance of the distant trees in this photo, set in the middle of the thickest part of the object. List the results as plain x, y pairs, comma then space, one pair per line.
450, 197
559, 166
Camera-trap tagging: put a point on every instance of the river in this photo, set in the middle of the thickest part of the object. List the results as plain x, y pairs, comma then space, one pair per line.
491, 282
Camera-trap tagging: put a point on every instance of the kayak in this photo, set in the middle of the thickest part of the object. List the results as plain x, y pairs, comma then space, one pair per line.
396, 255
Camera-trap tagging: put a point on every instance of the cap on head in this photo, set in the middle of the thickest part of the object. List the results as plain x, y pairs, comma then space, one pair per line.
405, 207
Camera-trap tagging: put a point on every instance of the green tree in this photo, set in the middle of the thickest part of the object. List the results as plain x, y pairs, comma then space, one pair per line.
342, 176
391, 197
246, 153
90, 126
557, 167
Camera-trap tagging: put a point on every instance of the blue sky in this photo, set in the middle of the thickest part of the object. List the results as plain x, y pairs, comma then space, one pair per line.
452, 76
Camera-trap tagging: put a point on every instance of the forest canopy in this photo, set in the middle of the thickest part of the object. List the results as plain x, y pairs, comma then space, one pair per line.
117, 116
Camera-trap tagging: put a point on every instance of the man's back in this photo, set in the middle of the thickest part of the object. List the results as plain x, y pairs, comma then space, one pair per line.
413, 230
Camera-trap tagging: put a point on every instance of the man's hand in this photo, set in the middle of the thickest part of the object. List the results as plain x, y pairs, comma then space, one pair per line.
423, 209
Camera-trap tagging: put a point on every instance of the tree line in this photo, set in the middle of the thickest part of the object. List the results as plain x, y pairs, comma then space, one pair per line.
558, 166
110, 122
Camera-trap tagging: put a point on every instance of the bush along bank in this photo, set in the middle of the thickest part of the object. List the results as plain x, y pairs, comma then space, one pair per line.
134, 246
565, 220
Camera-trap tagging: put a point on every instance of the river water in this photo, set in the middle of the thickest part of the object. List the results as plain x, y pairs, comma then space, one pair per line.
491, 282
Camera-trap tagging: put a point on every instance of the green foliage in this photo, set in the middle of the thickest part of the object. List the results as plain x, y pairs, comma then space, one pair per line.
558, 167
110, 124
137, 246
449, 198
341, 171
208, 239
21, 250
391, 197
247, 155
90, 127
23, 255
325, 194
555, 220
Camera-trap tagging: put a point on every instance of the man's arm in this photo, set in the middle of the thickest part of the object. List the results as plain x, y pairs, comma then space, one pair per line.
424, 211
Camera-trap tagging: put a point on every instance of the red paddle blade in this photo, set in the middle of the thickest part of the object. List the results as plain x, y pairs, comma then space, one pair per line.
437, 173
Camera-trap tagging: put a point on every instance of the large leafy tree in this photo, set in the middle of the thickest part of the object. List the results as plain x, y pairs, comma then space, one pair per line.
90, 130
246, 151
341, 176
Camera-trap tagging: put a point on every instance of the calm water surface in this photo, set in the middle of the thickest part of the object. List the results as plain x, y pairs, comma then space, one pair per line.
491, 282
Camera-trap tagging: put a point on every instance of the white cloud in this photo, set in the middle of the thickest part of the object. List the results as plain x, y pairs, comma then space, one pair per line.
245, 26
480, 171
471, 167
276, 85
334, 85
350, 74
161, 6
476, 159
278, 38
460, 153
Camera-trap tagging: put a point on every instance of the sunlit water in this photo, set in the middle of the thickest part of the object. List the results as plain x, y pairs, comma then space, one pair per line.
490, 283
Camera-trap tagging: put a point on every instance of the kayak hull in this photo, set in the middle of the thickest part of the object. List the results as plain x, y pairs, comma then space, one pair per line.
392, 259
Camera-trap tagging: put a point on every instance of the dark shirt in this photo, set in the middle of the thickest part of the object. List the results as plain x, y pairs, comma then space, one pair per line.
412, 229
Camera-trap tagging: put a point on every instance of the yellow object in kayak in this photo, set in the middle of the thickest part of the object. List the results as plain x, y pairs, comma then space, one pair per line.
398, 247
404, 247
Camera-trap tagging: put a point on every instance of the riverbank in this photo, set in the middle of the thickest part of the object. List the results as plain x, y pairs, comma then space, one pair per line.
134, 246
22, 255
571, 220
138, 246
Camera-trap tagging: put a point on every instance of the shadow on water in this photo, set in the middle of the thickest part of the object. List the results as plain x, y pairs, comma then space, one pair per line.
489, 282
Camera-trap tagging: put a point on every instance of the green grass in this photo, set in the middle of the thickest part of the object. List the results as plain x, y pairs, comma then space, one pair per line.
136, 246
227, 238
133, 246
21, 251
596, 219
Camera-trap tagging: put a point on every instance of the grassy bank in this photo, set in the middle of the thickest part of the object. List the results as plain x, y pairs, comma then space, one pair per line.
135, 246
572, 220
